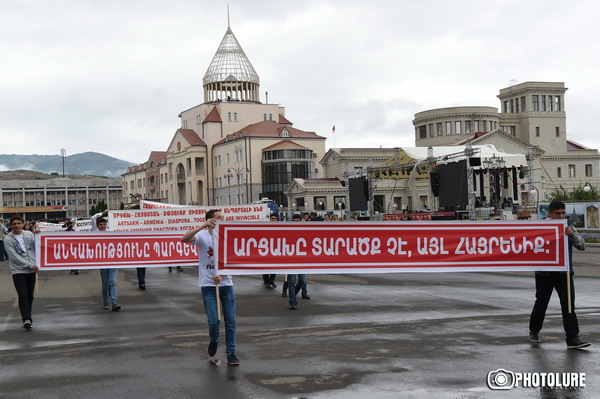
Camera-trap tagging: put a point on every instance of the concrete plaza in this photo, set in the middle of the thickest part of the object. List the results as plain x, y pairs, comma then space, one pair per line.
378, 336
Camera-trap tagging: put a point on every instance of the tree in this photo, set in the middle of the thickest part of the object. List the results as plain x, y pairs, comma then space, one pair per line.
100, 207
578, 194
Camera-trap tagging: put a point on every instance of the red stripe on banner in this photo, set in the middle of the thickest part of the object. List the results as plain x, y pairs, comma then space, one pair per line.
368, 247
87, 250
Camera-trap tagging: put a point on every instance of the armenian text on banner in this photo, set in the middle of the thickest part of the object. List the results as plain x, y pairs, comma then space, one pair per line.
145, 204
390, 247
180, 219
109, 249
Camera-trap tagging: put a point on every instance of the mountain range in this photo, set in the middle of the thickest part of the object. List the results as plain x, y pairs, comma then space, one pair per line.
86, 163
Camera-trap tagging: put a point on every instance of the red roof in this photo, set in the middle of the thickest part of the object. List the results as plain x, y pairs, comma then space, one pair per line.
571, 145
283, 120
191, 137
269, 129
213, 116
158, 157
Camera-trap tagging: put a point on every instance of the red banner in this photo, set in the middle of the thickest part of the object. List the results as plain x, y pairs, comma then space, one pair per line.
388, 247
102, 250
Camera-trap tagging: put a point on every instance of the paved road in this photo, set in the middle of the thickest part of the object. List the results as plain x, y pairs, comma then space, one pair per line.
375, 336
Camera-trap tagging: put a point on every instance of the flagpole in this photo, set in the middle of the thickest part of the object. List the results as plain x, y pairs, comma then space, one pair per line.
333, 132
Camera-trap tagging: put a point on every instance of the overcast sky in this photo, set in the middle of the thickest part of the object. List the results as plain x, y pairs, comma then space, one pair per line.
112, 76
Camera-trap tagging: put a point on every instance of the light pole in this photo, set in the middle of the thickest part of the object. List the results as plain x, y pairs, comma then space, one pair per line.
238, 172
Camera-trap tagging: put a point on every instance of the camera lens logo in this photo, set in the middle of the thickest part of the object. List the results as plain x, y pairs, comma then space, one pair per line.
501, 379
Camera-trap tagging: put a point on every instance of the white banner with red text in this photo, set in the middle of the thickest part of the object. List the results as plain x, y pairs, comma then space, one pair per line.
390, 247
109, 249
182, 218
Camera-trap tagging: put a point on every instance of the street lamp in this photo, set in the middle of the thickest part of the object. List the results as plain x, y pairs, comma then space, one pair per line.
238, 172
587, 188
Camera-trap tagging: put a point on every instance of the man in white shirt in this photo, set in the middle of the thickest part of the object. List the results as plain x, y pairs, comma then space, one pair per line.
209, 281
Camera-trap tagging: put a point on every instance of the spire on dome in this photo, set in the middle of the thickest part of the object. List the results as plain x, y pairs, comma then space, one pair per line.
230, 75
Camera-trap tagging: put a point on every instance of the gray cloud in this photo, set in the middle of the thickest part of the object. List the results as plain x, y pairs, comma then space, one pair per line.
112, 76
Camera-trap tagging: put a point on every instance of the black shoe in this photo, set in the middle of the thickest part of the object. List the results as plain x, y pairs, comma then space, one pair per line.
283, 293
576, 343
116, 308
232, 359
179, 269
76, 272
142, 287
272, 285
305, 296
293, 306
170, 269
212, 348
27, 324
534, 338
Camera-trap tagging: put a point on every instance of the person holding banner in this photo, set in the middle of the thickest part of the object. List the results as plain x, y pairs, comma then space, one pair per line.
108, 276
20, 246
209, 283
546, 282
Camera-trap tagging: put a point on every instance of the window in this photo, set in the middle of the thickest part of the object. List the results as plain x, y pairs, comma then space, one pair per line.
558, 172
448, 128
270, 117
588, 170
557, 131
185, 124
235, 117
550, 103
467, 127
421, 132
227, 158
557, 103
572, 171
476, 126
431, 131
457, 127
543, 103
537, 131
339, 202
229, 117
512, 106
265, 117
523, 108
506, 107
535, 102
439, 128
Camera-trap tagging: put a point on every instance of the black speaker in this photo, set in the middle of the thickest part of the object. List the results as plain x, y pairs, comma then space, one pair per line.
475, 161
435, 183
358, 189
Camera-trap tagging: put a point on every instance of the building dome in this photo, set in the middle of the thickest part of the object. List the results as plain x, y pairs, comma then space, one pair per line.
230, 75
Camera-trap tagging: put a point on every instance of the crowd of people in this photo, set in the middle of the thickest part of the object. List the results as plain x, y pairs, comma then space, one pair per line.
18, 244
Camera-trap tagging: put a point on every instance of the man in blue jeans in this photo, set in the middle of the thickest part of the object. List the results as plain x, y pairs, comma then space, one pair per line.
202, 237
110, 290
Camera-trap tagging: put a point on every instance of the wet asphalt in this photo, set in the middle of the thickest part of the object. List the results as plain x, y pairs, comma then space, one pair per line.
427, 335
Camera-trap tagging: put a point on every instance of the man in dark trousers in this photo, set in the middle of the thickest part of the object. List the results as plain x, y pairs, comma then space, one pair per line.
20, 246
546, 282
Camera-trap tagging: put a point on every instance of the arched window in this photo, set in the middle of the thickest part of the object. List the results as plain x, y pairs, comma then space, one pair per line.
235, 117
270, 117
265, 116
229, 117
